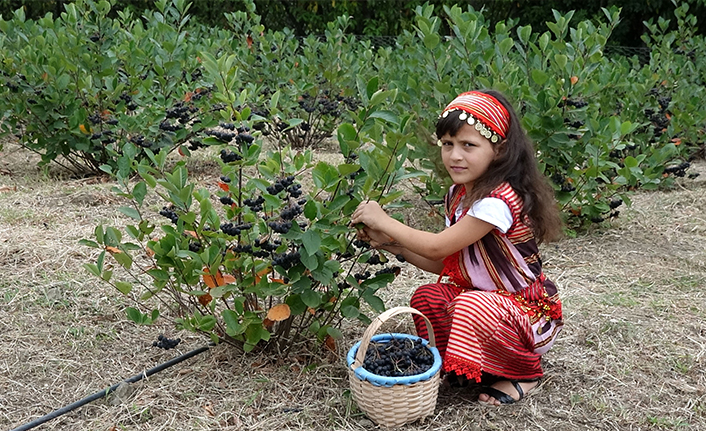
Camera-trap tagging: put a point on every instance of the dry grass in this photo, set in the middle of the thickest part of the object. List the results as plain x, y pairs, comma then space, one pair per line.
631, 357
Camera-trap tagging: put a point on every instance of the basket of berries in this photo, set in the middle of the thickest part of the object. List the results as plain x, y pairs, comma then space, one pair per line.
394, 377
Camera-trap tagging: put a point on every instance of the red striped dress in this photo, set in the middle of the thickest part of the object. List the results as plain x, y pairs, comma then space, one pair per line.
495, 312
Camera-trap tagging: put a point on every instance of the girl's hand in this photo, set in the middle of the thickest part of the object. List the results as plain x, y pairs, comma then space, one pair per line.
376, 238
370, 214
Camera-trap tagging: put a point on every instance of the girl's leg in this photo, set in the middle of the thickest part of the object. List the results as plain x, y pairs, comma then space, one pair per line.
435, 302
491, 334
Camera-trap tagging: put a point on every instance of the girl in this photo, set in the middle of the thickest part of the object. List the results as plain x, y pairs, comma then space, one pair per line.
493, 311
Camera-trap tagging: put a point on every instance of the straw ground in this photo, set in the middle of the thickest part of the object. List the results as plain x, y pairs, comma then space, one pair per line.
632, 355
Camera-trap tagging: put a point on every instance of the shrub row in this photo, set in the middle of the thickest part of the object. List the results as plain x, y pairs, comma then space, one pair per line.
259, 261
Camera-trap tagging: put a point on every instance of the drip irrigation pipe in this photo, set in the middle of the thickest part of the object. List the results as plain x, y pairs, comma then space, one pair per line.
103, 393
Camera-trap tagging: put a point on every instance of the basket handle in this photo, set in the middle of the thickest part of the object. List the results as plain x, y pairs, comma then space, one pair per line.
377, 323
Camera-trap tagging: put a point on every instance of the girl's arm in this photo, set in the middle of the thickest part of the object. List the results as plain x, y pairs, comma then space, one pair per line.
379, 240
431, 246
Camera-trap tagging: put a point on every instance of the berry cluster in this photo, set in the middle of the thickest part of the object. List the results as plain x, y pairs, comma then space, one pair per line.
170, 214
166, 343
267, 245
169, 127
679, 170
280, 185
280, 227
359, 243
398, 358
362, 276
234, 230
291, 212
226, 200
129, 104
286, 260
244, 138
229, 156
140, 141
181, 111
375, 260
576, 103
254, 204
389, 270
195, 246
615, 203
221, 136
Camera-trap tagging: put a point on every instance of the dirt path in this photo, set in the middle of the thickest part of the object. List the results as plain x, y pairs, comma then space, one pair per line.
632, 356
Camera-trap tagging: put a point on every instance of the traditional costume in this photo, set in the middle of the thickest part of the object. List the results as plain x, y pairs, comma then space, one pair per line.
493, 310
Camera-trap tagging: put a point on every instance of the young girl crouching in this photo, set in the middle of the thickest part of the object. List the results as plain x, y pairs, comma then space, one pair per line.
493, 311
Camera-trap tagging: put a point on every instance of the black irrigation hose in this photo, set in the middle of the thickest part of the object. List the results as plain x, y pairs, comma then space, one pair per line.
101, 394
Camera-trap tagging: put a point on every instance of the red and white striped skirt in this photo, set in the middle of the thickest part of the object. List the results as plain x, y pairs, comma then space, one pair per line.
478, 332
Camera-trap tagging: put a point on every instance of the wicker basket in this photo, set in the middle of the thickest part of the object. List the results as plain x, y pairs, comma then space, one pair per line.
393, 401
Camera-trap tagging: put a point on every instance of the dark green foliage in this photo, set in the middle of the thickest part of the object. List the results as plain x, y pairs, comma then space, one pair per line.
392, 17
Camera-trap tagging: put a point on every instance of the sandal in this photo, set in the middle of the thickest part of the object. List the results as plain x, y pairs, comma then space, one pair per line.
504, 398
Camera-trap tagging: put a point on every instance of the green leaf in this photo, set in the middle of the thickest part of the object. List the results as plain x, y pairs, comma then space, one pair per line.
431, 41
630, 162
139, 192
311, 241
124, 287
89, 243
233, 327
539, 77
130, 212
375, 302
388, 116
207, 323
311, 298
335, 333
371, 87
92, 268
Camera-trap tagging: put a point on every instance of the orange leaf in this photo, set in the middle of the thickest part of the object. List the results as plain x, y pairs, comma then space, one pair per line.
279, 312
311, 311
83, 129
330, 343
213, 281
296, 64
105, 114
8, 189
187, 96
278, 280
191, 233
260, 273
181, 153
249, 40
677, 141
205, 299
574, 80
198, 59
113, 250
45, 76
223, 186
228, 279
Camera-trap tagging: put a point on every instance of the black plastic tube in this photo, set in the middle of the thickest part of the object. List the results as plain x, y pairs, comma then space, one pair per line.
103, 393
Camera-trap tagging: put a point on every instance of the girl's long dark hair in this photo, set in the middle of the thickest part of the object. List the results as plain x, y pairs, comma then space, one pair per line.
516, 164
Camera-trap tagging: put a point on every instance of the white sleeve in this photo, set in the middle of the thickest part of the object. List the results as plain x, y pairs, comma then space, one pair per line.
494, 211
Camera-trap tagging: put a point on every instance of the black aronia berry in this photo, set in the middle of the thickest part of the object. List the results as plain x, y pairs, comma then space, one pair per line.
398, 358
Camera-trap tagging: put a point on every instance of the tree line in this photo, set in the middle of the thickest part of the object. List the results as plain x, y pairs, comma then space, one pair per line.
392, 17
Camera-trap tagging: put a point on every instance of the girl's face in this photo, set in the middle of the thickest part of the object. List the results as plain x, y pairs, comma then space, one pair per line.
467, 155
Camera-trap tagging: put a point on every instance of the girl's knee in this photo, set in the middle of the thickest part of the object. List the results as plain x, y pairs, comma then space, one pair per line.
423, 295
